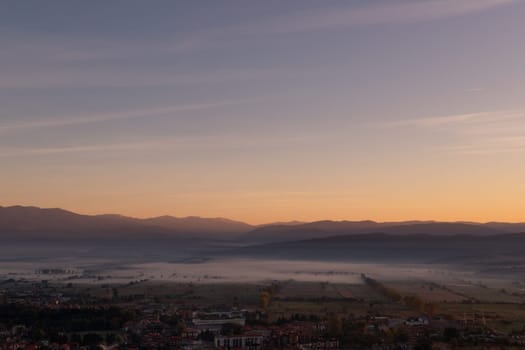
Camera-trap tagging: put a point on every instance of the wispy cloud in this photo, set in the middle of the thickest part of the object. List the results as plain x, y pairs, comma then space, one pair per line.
439, 120
141, 145
202, 142
21, 152
370, 13
494, 145
117, 115
455, 119
378, 13
57, 61
86, 48
478, 133
115, 76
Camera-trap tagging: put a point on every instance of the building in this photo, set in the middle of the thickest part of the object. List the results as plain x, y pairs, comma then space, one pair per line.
248, 341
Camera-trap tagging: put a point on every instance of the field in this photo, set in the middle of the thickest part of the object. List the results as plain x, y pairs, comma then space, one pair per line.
297, 288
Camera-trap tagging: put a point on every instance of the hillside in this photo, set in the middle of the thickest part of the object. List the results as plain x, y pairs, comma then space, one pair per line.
320, 229
505, 249
31, 222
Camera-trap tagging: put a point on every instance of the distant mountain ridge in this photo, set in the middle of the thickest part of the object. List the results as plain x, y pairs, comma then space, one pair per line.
321, 229
33, 222
496, 250
19, 221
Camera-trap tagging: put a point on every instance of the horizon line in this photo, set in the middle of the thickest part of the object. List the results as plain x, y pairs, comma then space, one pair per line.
276, 222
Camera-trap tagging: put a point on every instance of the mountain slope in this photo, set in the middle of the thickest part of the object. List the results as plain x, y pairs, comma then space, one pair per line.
32, 222
281, 233
381, 247
200, 225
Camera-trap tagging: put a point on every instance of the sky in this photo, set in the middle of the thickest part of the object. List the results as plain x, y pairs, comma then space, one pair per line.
265, 111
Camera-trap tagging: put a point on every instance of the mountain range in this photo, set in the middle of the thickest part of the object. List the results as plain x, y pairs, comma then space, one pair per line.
504, 251
35, 234
276, 233
32, 222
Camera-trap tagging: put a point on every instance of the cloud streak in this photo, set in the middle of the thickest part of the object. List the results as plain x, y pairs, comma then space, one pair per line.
84, 149
494, 145
52, 51
456, 119
385, 13
480, 133
207, 142
111, 76
120, 115
65, 48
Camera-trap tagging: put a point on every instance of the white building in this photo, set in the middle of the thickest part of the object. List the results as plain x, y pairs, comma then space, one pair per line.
246, 341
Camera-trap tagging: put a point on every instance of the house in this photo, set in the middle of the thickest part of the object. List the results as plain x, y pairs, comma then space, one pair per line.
417, 321
248, 341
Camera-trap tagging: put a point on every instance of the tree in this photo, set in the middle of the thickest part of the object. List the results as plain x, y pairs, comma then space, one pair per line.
92, 339
430, 308
335, 325
265, 299
415, 302
110, 338
423, 344
450, 333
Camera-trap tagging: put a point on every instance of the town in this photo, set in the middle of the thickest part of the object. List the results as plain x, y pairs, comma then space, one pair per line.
145, 315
